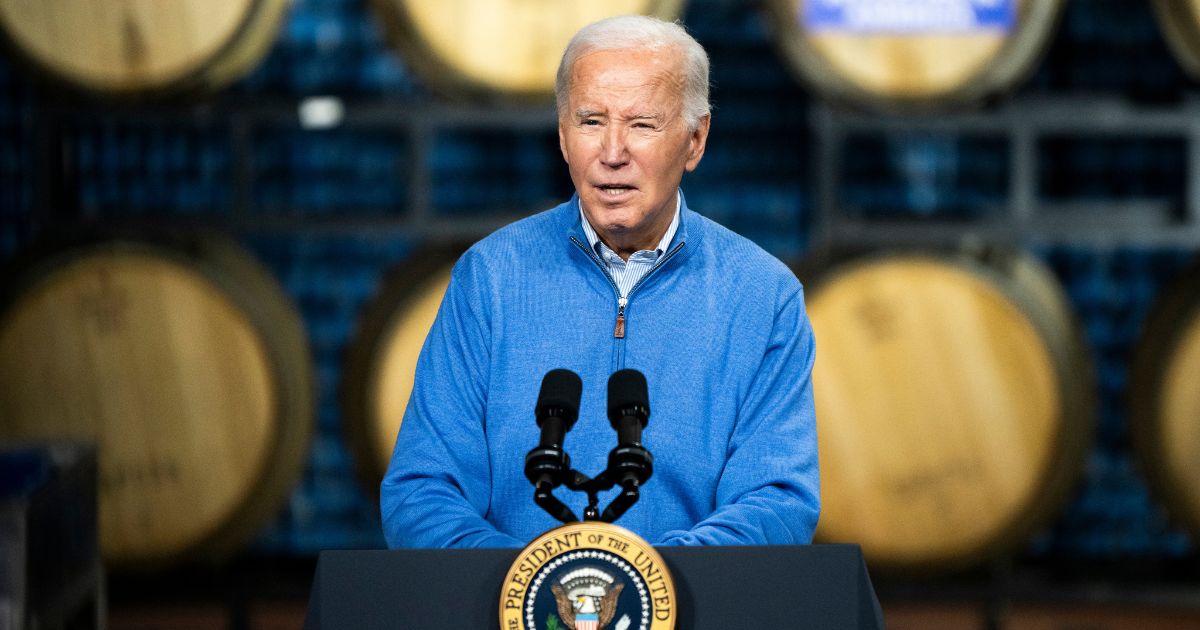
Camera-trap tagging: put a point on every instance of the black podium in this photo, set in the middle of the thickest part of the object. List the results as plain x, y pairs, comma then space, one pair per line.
718, 588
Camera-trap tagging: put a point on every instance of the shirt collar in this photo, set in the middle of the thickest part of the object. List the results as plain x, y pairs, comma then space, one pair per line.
663, 243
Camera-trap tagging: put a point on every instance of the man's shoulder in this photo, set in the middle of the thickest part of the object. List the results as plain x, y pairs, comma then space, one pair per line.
524, 241
742, 259
526, 236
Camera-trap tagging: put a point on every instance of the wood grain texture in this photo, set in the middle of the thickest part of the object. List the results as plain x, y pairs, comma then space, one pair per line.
939, 408
124, 47
164, 372
917, 70
908, 66
505, 47
186, 365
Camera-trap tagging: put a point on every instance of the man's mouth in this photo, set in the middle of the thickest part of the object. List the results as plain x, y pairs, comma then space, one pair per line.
614, 190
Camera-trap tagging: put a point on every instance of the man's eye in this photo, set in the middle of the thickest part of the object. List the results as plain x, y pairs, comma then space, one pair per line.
590, 123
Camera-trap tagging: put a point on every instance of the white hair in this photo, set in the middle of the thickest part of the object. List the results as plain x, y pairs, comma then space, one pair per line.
634, 32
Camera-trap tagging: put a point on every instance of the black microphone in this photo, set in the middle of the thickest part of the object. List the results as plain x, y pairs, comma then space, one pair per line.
629, 411
556, 412
628, 405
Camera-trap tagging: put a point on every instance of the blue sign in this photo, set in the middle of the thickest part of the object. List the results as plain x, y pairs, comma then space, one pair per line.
908, 17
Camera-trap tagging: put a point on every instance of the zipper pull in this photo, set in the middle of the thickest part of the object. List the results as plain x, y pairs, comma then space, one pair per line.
619, 329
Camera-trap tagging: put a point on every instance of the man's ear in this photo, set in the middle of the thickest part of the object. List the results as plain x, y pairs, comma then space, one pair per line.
562, 141
696, 142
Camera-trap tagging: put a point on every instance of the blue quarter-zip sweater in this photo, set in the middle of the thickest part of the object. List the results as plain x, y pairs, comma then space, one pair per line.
717, 326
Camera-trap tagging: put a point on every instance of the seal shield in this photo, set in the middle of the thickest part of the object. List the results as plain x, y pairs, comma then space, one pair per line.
588, 575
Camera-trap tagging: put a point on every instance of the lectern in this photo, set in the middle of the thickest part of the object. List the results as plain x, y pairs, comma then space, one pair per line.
718, 588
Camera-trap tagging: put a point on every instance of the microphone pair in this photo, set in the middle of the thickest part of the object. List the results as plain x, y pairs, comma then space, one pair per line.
548, 466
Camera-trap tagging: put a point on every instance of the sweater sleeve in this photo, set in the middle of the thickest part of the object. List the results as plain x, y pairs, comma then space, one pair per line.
769, 491
438, 485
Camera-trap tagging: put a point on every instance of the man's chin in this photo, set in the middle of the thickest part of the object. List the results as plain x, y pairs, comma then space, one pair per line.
600, 213
615, 222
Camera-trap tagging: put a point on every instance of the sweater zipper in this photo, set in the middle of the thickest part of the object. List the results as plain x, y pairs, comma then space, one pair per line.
619, 328
612, 283
623, 301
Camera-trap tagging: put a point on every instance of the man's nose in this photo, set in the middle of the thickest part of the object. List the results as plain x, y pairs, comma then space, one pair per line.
614, 152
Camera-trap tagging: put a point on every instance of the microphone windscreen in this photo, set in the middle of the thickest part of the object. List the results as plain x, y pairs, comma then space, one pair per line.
627, 388
561, 389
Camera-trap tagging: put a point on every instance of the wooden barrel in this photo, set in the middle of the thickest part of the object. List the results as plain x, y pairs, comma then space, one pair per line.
505, 48
1164, 395
382, 359
132, 48
1179, 21
182, 359
954, 405
910, 55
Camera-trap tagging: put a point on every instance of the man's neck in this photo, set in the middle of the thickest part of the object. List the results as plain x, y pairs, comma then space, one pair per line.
627, 248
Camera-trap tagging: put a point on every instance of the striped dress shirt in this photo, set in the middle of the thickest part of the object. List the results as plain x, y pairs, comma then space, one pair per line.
627, 273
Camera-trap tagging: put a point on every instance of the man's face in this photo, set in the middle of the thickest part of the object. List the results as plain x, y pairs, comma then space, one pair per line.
626, 143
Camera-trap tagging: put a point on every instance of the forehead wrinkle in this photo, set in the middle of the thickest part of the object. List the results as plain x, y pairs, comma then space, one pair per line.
628, 115
648, 99
656, 92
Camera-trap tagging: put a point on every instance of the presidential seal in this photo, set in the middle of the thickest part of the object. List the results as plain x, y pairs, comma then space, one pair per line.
588, 575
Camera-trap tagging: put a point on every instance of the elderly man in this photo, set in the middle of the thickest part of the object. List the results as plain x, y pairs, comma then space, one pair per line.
623, 275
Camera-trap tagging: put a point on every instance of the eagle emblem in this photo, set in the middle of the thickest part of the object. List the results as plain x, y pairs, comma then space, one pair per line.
587, 598
588, 575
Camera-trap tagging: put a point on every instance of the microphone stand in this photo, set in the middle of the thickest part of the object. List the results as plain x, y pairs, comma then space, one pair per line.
580, 482
593, 487
543, 496
629, 464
